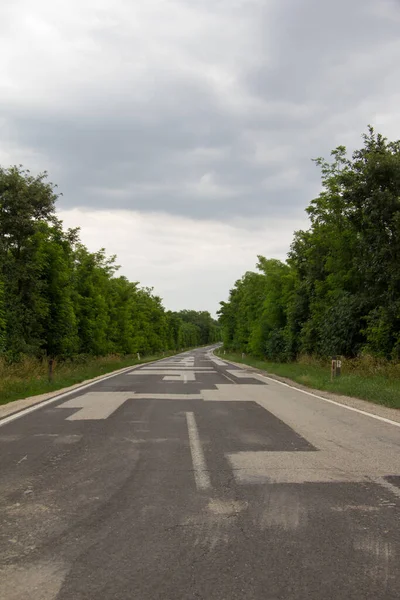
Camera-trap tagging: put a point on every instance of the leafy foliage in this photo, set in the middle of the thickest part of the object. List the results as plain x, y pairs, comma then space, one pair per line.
59, 299
339, 291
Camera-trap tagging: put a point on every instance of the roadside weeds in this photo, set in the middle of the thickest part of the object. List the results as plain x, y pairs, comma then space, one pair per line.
31, 378
373, 394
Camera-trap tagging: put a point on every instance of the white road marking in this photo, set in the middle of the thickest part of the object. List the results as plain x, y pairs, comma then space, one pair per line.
216, 361
345, 406
177, 363
228, 378
172, 374
199, 463
30, 409
330, 463
167, 371
245, 374
177, 368
149, 396
96, 405
185, 377
351, 408
338, 458
22, 459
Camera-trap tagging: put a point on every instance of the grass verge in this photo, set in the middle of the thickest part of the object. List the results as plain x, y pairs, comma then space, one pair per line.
30, 377
360, 378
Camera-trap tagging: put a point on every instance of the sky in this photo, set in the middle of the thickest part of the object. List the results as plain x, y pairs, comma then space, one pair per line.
181, 132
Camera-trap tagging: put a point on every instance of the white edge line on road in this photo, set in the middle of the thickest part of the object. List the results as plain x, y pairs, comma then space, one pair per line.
226, 377
357, 410
30, 409
26, 411
201, 476
352, 408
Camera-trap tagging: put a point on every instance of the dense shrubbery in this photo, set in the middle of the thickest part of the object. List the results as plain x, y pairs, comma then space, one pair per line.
339, 291
59, 299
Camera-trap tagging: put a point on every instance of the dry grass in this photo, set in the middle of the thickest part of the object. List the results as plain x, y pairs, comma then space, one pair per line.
29, 376
29, 368
366, 365
367, 377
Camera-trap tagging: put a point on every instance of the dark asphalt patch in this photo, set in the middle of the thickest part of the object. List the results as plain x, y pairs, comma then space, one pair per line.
246, 426
116, 511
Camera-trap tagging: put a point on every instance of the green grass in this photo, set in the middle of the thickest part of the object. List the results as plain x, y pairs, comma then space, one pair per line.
29, 377
367, 378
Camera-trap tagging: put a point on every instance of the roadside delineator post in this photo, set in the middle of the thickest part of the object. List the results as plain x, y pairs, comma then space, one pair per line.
138, 356
339, 366
336, 367
51, 365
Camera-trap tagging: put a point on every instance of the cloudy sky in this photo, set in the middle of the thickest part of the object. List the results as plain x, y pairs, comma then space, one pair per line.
180, 132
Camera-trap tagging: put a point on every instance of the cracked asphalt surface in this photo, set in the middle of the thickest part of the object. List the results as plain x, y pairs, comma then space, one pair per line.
185, 480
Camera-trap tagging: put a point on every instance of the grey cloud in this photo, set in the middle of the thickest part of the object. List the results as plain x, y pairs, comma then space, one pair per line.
311, 37
178, 138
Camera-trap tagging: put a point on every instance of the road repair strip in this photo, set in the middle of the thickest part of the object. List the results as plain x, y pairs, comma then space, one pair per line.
346, 406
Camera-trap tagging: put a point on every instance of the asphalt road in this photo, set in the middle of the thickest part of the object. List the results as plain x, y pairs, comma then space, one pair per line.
192, 479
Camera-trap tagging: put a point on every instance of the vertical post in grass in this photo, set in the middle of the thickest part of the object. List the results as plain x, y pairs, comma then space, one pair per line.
138, 356
336, 367
51, 365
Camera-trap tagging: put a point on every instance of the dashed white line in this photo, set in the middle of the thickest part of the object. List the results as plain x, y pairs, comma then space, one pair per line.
201, 476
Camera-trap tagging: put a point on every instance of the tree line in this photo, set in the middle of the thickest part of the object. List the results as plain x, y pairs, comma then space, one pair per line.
58, 299
338, 292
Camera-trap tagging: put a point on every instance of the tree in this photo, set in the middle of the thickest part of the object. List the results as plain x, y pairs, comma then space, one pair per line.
59, 323
349, 258
59, 299
339, 292
26, 202
2, 319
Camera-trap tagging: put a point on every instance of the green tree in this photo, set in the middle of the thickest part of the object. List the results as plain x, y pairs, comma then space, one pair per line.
59, 299
92, 273
26, 202
339, 292
2, 319
58, 323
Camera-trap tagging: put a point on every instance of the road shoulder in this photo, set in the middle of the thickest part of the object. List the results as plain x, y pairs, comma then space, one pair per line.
374, 409
6, 410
